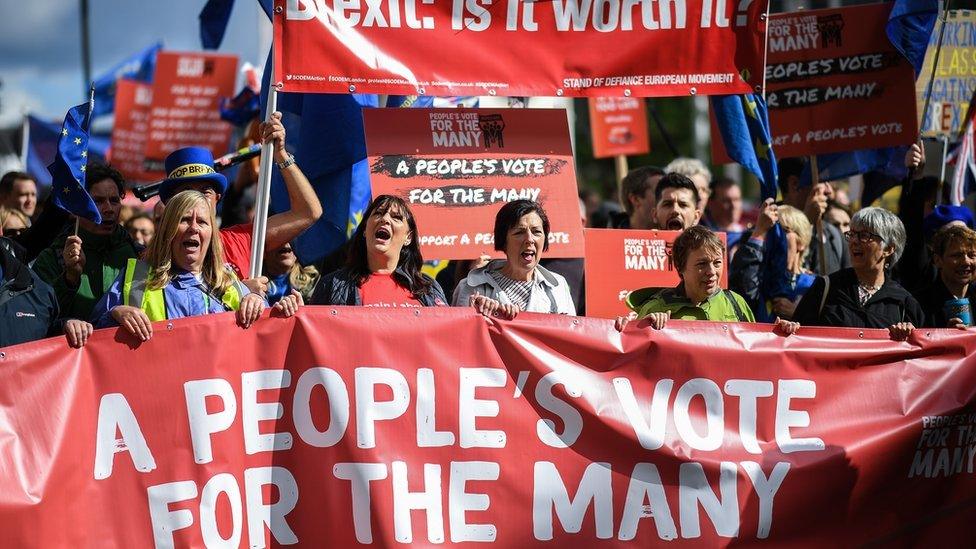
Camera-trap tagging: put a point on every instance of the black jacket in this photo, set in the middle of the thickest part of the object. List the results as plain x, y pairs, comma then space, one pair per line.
889, 305
28, 307
932, 298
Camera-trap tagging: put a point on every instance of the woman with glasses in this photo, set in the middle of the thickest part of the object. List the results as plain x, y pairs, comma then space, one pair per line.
865, 295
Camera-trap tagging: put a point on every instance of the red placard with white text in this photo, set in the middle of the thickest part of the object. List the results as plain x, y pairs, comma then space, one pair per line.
569, 48
834, 83
361, 427
133, 101
619, 261
618, 126
186, 92
457, 167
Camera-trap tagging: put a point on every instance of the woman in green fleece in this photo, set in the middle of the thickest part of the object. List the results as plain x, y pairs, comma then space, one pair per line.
81, 268
698, 256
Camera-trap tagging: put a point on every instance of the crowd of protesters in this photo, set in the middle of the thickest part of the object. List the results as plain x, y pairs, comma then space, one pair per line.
808, 259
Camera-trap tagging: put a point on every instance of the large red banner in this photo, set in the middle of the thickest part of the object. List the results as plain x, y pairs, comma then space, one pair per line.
619, 261
457, 167
186, 93
347, 426
520, 47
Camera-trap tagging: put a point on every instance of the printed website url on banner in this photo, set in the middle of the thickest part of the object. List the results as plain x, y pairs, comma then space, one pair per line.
306, 77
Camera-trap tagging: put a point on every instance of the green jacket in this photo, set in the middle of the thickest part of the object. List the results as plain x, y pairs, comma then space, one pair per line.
724, 306
105, 258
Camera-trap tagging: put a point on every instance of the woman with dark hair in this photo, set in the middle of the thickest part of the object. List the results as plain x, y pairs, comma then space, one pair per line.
518, 282
383, 265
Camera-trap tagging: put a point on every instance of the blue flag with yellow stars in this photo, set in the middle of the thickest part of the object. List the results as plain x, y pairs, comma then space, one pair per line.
743, 121
68, 169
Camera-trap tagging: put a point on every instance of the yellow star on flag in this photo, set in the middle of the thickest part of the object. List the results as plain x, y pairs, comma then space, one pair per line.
761, 149
751, 108
66, 190
84, 154
83, 168
64, 132
77, 141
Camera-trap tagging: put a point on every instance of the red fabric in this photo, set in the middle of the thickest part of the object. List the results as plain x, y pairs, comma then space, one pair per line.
380, 290
893, 466
601, 49
237, 248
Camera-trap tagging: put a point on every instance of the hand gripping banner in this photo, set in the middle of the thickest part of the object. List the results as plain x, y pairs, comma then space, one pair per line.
351, 426
520, 47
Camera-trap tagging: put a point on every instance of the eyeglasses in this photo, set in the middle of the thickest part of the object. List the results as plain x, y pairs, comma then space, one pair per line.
863, 237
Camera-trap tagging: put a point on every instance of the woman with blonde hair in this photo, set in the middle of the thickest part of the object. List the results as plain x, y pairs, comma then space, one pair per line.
771, 281
182, 274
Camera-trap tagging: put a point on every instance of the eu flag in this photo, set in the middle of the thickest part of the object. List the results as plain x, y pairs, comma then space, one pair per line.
743, 121
909, 28
68, 169
140, 66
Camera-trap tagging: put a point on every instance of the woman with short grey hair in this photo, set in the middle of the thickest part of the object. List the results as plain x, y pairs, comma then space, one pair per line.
865, 295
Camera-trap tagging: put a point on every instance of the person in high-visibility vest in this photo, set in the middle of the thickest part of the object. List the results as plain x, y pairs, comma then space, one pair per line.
181, 274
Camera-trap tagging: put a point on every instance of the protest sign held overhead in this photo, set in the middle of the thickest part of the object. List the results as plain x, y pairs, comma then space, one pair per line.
520, 48
620, 261
133, 101
186, 95
955, 77
355, 426
457, 167
835, 83
618, 126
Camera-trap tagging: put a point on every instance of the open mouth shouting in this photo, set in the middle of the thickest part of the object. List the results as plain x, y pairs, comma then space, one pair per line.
383, 235
528, 256
675, 224
191, 245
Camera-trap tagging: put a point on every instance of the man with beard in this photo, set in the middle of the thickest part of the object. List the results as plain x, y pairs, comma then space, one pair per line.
676, 199
80, 267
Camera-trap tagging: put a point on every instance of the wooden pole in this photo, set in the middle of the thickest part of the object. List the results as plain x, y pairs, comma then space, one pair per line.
620, 161
821, 245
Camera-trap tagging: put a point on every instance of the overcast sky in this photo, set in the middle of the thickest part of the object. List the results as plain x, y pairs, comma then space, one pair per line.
40, 45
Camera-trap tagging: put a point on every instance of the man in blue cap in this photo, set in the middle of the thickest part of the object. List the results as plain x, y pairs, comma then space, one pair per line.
191, 168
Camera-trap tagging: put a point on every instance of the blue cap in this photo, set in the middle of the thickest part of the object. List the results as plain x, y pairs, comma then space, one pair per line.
187, 165
943, 215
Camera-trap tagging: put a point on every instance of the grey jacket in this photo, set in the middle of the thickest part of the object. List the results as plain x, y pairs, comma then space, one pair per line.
480, 282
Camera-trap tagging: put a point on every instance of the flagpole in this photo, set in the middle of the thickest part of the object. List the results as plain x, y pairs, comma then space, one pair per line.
25, 139
91, 109
264, 186
85, 42
935, 63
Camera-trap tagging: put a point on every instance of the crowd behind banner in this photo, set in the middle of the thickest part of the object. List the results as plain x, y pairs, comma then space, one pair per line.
807, 259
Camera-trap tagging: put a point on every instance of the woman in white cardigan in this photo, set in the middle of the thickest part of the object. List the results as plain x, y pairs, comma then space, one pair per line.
507, 286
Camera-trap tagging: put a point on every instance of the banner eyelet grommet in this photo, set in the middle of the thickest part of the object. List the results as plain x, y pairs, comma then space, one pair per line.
3, 355
575, 322
693, 91
559, 92
335, 312
626, 93
278, 9
725, 327
169, 325
860, 335
416, 312
352, 88
492, 92
421, 91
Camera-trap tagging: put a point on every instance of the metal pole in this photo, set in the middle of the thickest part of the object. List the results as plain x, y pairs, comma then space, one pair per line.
85, 45
263, 191
821, 246
935, 63
25, 139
